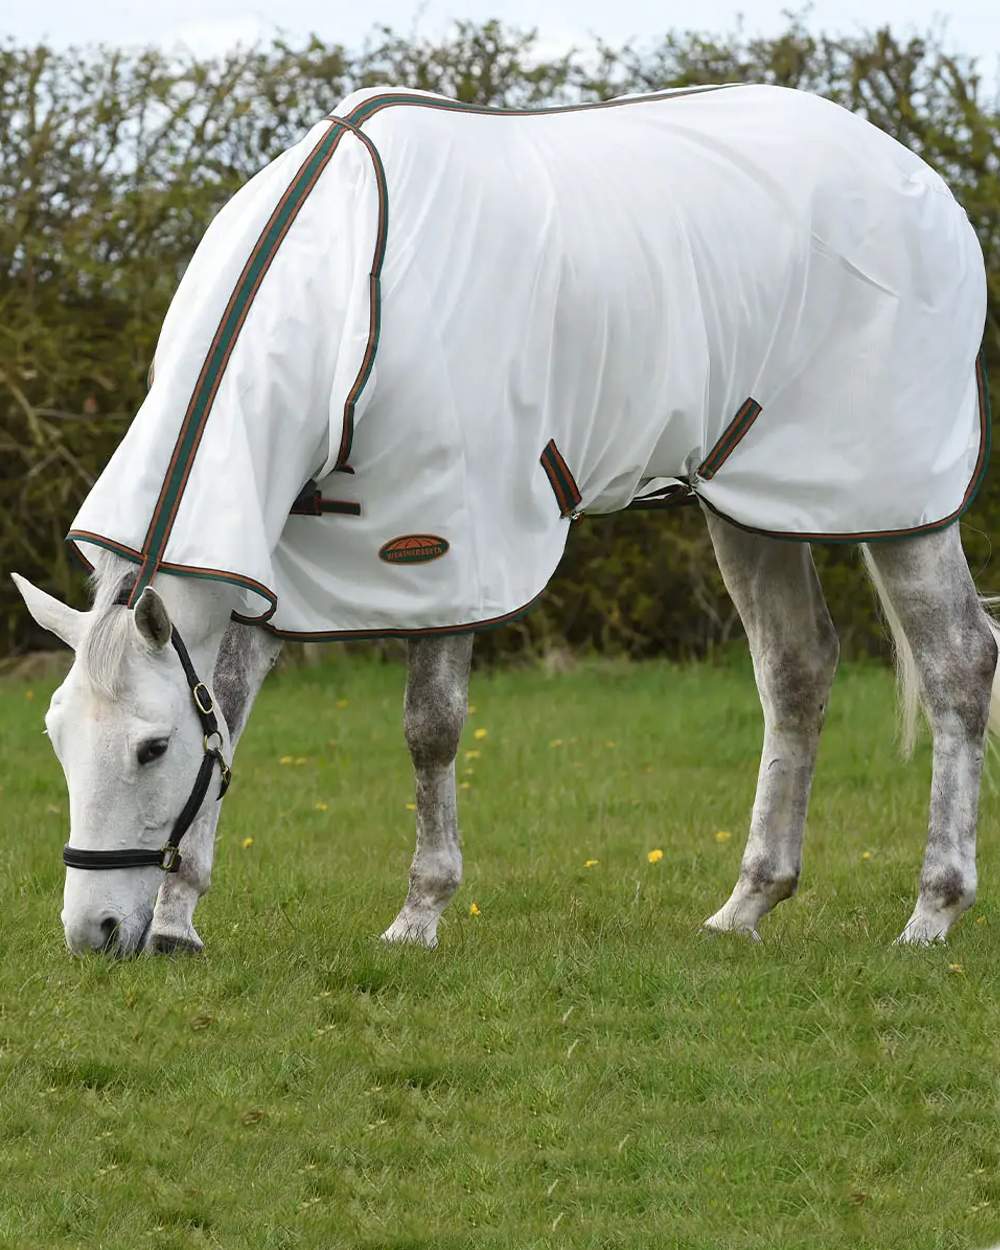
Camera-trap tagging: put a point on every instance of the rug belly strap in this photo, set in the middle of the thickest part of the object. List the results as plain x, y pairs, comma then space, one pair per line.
563, 484
731, 438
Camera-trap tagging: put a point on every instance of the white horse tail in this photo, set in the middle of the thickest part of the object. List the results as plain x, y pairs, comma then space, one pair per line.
994, 722
907, 679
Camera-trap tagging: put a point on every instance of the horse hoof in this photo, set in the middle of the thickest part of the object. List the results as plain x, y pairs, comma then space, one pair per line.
410, 933
715, 930
175, 943
914, 935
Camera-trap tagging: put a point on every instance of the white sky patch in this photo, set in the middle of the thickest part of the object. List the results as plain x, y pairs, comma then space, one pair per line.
208, 27
216, 36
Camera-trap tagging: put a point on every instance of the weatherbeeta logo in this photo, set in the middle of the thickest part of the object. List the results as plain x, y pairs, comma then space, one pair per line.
413, 549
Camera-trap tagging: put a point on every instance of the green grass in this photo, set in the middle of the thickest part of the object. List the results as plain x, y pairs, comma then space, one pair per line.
576, 1066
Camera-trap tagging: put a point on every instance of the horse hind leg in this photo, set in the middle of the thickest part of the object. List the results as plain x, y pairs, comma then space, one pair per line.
947, 649
437, 687
794, 647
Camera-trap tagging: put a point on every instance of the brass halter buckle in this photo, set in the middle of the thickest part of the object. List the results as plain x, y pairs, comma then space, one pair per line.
171, 858
206, 706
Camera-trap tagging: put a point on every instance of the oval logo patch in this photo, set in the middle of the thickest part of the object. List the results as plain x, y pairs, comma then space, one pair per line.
413, 549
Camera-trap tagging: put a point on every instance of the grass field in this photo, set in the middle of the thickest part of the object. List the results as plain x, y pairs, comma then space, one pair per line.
575, 1066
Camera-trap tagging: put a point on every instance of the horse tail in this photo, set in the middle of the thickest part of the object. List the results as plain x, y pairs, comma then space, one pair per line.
988, 602
907, 677
907, 680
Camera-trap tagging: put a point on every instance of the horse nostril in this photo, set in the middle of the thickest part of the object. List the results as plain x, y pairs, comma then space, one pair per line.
109, 932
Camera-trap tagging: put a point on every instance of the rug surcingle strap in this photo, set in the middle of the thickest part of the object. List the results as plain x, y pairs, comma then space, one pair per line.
563, 484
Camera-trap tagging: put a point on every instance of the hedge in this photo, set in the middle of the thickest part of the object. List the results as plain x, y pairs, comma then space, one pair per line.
112, 163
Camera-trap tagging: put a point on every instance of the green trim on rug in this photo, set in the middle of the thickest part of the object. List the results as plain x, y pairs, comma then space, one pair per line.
364, 635
232, 322
375, 104
75, 537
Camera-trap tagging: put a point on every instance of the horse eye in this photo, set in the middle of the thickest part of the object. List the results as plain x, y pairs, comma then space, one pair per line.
151, 750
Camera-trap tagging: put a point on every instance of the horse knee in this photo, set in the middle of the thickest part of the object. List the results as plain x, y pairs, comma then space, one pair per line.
433, 725
958, 684
795, 682
982, 659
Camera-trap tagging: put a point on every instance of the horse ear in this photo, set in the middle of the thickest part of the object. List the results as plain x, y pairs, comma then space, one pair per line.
151, 620
52, 614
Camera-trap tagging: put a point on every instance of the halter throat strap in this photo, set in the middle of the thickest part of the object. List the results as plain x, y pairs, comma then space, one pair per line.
168, 857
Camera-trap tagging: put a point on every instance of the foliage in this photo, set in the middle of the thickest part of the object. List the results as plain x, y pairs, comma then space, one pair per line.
575, 1066
112, 163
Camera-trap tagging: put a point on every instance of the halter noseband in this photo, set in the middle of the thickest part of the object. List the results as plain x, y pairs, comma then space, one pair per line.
169, 856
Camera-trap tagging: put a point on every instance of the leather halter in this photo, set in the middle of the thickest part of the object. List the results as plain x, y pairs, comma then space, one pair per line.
168, 857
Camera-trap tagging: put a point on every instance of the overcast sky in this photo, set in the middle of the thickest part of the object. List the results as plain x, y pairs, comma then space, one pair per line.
208, 26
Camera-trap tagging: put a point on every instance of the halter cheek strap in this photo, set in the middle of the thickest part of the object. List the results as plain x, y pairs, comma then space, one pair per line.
168, 857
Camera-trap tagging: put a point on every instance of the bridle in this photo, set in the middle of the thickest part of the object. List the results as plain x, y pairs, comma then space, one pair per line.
168, 857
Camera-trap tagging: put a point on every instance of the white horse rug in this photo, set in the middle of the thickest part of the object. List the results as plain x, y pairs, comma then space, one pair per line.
438, 332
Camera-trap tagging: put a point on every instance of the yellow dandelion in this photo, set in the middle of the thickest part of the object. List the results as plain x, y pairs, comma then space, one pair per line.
29, 695
410, 807
980, 920
300, 760
464, 785
468, 772
610, 743
866, 854
342, 703
556, 742
473, 755
247, 843
322, 807
654, 857
956, 968
472, 709
479, 735
286, 759
473, 909
723, 835
591, 863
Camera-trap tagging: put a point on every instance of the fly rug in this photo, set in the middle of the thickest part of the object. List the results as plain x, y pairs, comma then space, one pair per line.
425, 338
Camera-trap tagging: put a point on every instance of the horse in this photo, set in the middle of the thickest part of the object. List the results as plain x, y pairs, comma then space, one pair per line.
741, 296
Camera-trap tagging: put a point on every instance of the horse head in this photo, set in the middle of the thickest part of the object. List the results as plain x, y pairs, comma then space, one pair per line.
143, 752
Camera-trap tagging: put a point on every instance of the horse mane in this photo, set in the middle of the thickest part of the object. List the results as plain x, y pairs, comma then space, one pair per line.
106, 643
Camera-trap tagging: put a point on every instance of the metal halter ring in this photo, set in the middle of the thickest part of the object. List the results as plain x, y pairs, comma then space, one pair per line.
208, 748
196, 695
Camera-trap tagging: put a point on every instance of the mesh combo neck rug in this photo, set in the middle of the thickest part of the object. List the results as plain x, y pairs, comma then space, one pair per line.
418, 343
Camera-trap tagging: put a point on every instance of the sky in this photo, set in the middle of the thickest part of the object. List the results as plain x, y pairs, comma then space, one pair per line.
210, 26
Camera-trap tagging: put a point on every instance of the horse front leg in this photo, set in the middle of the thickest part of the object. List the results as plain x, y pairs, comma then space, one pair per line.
437, 692
245, 658
794, 649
